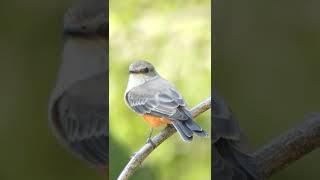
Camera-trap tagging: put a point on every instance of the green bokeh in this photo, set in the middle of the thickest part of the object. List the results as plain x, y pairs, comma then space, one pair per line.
175, 38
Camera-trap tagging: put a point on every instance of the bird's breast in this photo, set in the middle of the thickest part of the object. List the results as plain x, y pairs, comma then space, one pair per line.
155, 121
134, 81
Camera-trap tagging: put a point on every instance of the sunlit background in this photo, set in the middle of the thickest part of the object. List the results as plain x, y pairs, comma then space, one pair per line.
175, 38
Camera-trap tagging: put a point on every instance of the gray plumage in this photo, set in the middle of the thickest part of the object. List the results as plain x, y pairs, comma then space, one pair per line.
78, 109
158, 97
231, 159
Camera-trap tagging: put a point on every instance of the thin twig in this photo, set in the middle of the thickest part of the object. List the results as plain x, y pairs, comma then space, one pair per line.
143, 153
290, 146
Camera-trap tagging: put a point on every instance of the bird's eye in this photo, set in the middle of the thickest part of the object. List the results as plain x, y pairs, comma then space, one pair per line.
145, 70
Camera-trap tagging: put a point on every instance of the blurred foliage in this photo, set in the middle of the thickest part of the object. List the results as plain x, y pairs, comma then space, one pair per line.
267, 56
175, 38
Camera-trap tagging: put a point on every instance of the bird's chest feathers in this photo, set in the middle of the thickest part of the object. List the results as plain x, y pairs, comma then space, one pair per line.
136, 80
154, 121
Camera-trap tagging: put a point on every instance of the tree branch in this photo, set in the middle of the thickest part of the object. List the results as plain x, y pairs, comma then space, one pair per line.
143, 153
290, 146
273, 157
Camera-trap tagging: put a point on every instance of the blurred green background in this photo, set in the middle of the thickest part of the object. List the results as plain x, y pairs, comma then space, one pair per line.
175, 37
267, 56
30, 53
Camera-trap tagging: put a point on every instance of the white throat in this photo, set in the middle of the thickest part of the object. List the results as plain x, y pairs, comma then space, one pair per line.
137, 80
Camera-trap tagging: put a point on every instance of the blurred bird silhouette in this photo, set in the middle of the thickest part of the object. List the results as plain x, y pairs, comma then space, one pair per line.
78, 107
231, 158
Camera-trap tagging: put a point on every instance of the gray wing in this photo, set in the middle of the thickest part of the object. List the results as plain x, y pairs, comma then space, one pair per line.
158, 98
81, 119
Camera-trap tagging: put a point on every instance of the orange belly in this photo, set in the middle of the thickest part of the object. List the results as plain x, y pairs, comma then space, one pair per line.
155, 121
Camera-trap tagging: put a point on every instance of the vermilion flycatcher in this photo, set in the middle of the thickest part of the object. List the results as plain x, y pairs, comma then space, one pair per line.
158, 101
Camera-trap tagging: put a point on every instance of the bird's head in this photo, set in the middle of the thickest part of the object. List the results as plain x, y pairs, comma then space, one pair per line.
88, 18
143, 69
140, 72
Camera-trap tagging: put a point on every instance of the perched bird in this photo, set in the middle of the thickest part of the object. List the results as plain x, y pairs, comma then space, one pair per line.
158, 101
78, 106
231, 159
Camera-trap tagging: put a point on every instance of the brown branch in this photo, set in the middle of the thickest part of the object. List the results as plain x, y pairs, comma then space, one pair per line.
290, 146
143, 153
